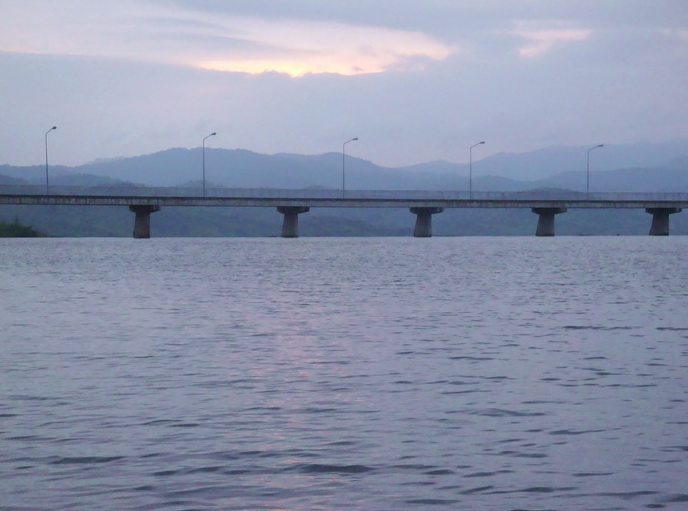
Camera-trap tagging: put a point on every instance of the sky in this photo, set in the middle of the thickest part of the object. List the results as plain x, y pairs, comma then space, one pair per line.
413, 80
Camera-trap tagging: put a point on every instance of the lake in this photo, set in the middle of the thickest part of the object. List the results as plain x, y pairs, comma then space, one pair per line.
344, 373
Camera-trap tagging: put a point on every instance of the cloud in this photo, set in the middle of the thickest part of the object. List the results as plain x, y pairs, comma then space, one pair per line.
541, 40
324, 47
218, 41
416, 81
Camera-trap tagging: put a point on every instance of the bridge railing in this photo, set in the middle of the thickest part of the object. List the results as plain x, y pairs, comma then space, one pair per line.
320, 193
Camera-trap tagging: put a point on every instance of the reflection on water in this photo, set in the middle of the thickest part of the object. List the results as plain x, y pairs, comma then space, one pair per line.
474, 373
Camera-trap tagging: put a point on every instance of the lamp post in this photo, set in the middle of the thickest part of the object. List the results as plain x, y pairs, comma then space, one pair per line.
587, 172
470, 169
47, 180
203, 151
344, 162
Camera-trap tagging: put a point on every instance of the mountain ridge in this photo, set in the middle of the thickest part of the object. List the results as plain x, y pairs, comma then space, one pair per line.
551, 167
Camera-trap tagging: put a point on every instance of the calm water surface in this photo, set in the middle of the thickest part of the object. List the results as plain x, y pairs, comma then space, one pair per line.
318, 374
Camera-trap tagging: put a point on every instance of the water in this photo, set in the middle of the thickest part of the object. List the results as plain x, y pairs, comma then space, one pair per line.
319, 374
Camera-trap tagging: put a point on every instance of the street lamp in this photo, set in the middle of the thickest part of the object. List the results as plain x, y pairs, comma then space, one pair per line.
344, 160
470, 169
587, 173
211, 135
47, 180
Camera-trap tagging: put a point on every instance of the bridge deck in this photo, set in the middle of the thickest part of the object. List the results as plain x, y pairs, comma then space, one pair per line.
291, 203
360, 199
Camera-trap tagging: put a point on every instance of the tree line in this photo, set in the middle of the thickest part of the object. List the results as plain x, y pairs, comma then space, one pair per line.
15, 229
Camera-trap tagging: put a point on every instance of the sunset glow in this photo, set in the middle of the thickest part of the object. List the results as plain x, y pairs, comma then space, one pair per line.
227, 43
416, 81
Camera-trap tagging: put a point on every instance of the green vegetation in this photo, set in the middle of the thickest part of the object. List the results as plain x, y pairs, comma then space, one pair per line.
17, 230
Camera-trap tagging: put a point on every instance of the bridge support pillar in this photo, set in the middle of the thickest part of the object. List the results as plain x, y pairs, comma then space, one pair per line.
142, 220
545, 226
290, 223
423, 227
660, 220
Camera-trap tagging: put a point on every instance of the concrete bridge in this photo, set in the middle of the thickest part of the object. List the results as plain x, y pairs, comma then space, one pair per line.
292, 203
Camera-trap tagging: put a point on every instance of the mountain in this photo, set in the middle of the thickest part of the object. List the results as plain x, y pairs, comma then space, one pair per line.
551, 161
245, 169
241, 168
8, 180
622, 180
646, 167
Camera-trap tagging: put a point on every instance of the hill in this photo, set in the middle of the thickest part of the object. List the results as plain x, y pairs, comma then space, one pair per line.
563, 167
241, 168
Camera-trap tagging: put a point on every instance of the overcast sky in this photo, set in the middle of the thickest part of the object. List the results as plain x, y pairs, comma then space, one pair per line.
415, 80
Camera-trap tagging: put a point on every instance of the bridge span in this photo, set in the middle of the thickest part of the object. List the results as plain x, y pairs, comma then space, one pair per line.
291, 203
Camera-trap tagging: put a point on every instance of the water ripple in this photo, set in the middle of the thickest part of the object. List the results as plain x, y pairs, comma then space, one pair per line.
332, 374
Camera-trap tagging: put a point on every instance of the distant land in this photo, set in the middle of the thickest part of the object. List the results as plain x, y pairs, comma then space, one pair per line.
631, 168
17, 230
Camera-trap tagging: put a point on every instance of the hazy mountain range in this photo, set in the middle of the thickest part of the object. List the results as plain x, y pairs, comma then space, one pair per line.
636, 167
641, 167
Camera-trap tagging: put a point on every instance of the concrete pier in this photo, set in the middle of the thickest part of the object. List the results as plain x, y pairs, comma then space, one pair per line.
660, 220
423, 227
545, 226
290, 224
142, 220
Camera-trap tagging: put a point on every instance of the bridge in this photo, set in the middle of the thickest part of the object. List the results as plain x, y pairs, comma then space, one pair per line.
143, 201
